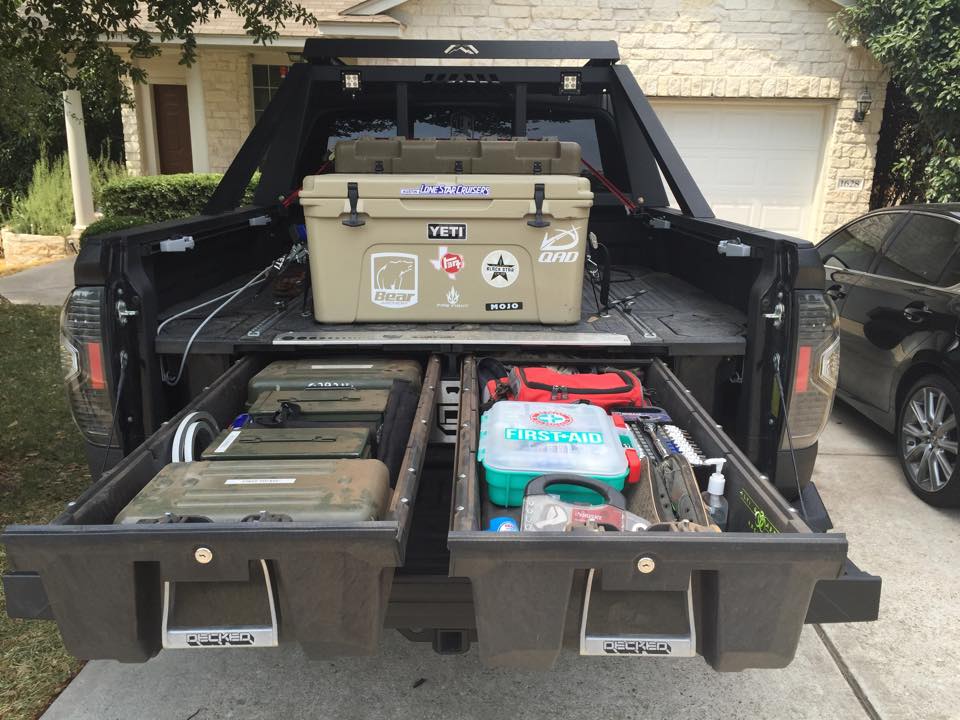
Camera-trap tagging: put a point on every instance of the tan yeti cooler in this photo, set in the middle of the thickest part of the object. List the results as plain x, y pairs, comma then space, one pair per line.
446, 248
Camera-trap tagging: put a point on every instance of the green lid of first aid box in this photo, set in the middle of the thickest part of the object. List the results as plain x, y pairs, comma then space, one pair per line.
520, 441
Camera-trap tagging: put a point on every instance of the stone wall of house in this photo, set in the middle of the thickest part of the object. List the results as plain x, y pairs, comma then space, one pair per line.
129, 118
228, 101
761, 49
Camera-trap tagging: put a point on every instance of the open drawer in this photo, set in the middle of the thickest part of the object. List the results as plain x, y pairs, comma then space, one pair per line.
738, 598
111, 588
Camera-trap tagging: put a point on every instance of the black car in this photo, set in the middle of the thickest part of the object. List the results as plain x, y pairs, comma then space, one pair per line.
894, 275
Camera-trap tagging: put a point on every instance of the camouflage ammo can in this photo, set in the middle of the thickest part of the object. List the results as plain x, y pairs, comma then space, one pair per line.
272, 490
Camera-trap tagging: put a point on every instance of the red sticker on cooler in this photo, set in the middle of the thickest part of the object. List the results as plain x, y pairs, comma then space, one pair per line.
451, 263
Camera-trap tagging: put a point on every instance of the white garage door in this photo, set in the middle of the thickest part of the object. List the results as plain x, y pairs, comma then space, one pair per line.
756, 163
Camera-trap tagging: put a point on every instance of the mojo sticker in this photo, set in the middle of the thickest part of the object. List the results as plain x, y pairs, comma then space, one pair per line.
394, 279
500, 268
508, 305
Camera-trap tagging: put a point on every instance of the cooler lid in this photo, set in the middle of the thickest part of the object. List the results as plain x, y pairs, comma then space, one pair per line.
522, 437
446, 187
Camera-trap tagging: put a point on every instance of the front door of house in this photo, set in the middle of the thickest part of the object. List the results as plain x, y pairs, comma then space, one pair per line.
173, 129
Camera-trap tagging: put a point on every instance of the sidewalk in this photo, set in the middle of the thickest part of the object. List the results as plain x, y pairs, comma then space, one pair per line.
44, 285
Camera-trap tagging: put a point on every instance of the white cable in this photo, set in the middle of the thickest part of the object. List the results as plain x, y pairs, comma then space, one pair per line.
221, 306
190, 310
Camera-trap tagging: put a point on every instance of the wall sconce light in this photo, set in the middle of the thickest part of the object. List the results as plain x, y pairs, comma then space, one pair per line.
864, 101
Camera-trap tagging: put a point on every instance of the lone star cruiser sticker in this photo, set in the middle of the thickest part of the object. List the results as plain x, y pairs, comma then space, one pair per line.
500, 268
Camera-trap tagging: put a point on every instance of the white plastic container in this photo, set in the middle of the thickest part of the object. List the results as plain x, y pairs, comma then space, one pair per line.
520, 441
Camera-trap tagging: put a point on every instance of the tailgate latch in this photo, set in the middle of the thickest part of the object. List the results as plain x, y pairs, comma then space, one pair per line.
776, 315
653, 646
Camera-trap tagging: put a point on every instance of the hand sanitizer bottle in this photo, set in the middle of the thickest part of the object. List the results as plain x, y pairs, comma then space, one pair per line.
713, 497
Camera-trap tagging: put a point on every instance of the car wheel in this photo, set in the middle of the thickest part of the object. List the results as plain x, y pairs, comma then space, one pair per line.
927, 438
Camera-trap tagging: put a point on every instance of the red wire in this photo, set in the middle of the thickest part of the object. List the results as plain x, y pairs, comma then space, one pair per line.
629, 204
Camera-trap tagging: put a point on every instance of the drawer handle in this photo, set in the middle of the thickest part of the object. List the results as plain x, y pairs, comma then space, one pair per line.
653, 646
212, 637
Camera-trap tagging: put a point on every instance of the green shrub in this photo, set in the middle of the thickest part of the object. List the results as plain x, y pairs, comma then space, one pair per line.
47, 206
102, 172
111, 224
162, 197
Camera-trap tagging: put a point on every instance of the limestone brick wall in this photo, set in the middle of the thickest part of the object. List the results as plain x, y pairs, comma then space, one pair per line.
129, 118
228, 101
764, 49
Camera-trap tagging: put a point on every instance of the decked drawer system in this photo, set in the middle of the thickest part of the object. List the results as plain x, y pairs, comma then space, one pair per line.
104, 583
739, 598
747, 590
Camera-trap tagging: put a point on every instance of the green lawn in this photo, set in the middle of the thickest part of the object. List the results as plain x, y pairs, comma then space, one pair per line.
41, 468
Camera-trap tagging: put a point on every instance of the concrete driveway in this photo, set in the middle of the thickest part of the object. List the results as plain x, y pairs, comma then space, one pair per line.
904, 666
42, 285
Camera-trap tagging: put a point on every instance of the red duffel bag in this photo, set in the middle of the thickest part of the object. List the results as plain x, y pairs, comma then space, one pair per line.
614, 388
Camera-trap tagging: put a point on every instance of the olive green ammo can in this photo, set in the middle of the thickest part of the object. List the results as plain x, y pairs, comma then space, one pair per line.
316, 407
256, 443
319, 373
284, 490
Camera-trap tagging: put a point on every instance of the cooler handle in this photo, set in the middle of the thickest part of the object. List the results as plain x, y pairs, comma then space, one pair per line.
653, 646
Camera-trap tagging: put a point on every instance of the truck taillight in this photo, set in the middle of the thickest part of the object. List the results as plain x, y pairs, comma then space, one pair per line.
815, 368
84, 363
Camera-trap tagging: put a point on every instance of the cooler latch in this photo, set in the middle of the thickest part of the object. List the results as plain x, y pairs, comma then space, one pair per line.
353, 197
653, 645
539, 194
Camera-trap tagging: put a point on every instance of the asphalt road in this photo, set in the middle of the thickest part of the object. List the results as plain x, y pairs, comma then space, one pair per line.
903, 666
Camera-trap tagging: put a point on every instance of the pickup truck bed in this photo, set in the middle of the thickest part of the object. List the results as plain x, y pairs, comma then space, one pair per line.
729, 328
668, 317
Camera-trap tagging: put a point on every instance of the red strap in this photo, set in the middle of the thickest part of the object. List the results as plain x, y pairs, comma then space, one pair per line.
629, 204
635, 465
289, 199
